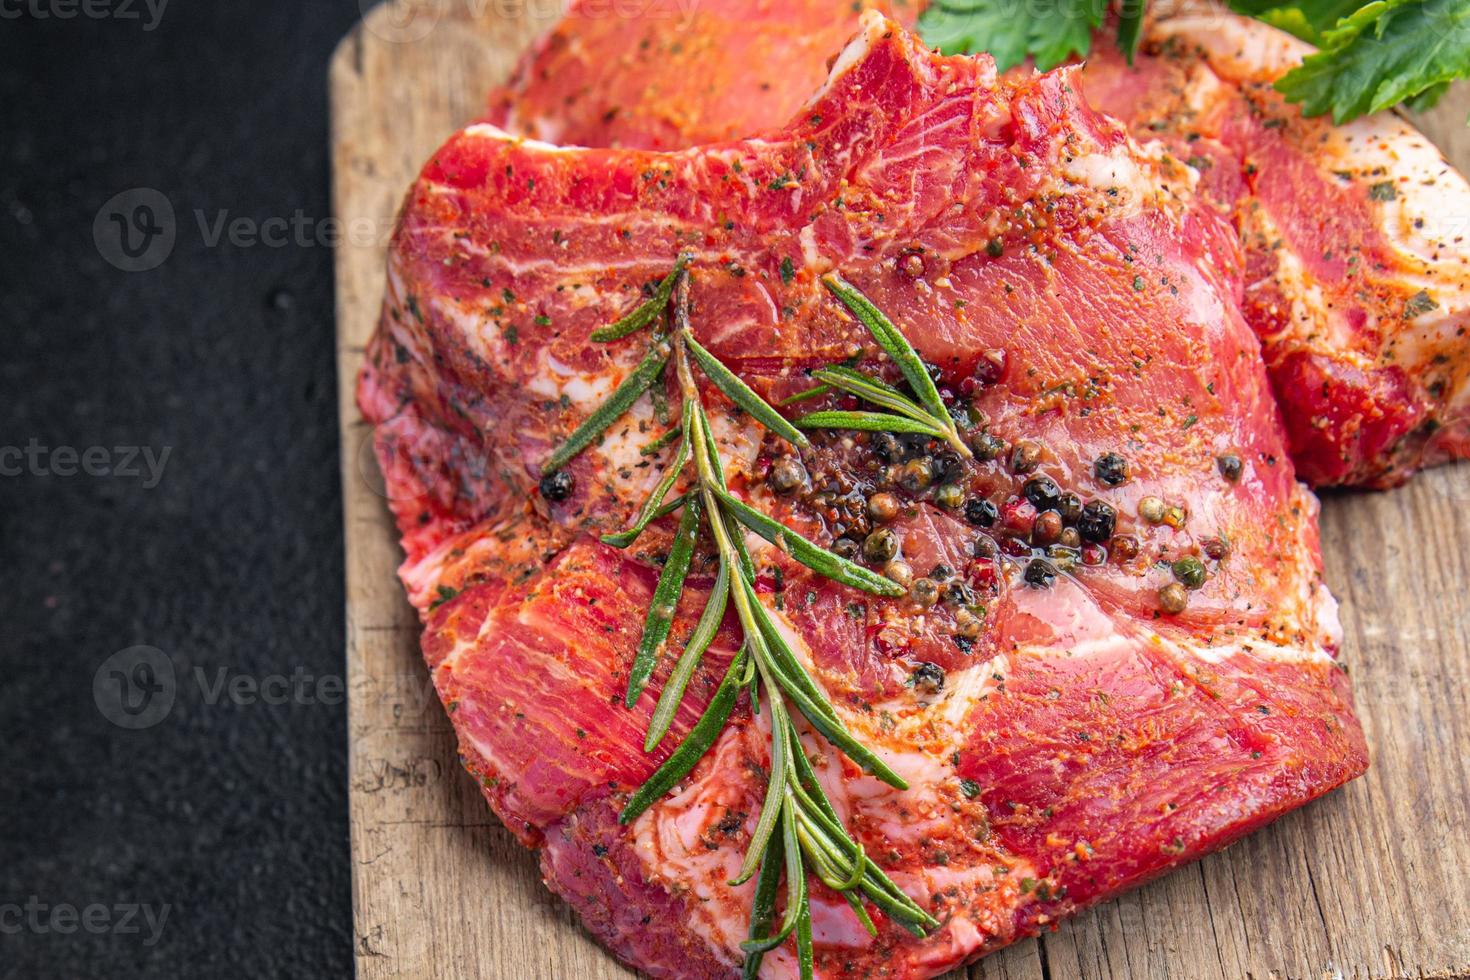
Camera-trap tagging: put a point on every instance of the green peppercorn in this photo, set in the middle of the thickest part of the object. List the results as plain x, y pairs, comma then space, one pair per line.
966, 623
1190, 572
883, 507
1175, 516
846, 547
916, 475
949, 496
984, 547
1173, 598
1151, 509
786, 474
899, 572
1070, 538
924, 591
987, 447
1063, 557
881, 545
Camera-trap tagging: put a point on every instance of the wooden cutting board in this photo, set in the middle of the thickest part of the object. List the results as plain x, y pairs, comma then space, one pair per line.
1372, 881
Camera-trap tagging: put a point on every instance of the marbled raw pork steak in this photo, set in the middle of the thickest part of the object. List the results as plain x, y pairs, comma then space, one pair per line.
1357, 240
1357, 237
1070, 720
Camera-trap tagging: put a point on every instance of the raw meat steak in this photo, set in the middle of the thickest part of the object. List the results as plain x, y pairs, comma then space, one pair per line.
1357, 237
1357, 240
1098, 728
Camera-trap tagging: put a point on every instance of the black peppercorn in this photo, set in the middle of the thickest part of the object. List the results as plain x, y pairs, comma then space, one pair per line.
940, 572
1069, 505
1097, 522
1111, 468
928, 677
1230, 466
558, 486
1040, 573
1043, 492
948, 467
957, 593
887, 447
981, 512
846, 547
1026, 456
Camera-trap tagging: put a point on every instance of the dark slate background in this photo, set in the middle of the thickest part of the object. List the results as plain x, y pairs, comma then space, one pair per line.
234, 815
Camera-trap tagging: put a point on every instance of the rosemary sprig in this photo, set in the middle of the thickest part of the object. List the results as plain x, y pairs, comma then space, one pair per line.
904, 356
647, 311
622, 399
798, 827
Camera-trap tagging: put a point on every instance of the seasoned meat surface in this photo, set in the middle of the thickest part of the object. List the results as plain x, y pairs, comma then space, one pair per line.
1124, 657
1357, 237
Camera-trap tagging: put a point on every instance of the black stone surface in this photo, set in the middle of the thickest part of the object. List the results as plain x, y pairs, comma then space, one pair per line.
228, 810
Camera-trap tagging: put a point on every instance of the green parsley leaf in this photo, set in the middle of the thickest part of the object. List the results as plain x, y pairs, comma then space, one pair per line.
1013, 30
1384, 53
1307, 19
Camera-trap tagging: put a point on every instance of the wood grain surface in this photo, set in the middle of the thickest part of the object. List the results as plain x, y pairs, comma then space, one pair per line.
1372, 881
